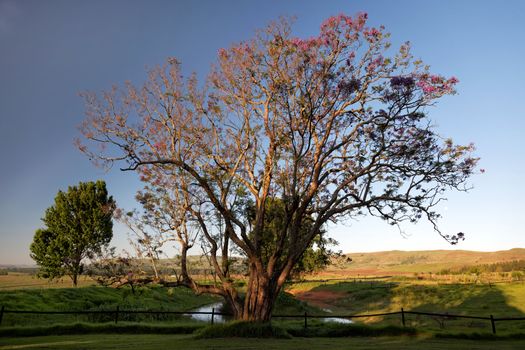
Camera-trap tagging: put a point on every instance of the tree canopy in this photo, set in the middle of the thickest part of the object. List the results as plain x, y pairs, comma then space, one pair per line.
333, 126
78, 225
315, 257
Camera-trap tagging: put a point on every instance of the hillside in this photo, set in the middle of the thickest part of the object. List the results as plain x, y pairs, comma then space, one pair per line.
400, 262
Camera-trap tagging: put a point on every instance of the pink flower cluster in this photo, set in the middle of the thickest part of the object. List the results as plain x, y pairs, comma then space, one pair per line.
375, 63
436, 85
305, 44
223, 53
372, 34
335, 25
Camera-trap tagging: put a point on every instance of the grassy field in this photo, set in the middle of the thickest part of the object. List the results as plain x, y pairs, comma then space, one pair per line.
146, 342
359, 294
350, 298
96, 298
22, 280
410, 262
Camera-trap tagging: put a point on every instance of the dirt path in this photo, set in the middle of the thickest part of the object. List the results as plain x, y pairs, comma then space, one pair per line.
320, 298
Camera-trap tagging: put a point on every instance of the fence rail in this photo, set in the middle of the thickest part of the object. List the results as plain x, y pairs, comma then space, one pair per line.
214, 313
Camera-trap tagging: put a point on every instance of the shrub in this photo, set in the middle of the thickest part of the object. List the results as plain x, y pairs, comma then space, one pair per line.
242, 329
104, 328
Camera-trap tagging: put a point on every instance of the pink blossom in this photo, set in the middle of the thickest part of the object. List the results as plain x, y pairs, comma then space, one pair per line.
372, 34
223, 53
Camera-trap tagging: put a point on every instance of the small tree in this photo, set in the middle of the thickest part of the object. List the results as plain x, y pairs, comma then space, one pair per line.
78, 225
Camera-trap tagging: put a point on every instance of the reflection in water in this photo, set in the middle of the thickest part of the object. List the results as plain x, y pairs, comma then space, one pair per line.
222, 319
207, 317
335, 319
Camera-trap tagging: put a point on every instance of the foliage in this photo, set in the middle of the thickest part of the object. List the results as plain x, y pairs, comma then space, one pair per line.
505, 266
333, 126
316, 256
78, 225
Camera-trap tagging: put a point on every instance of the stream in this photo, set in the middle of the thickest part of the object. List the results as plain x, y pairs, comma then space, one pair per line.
335, 319
222, 319
207, 317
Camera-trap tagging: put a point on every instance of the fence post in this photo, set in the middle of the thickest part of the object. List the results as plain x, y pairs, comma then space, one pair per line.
403, 317
2, 313
212, 315
305, 320
116, 314
493, 323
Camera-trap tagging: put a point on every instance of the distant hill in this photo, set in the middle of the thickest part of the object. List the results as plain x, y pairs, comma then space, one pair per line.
386, 263
397, 261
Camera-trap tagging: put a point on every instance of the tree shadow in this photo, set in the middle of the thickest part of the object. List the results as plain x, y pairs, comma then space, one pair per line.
369, 297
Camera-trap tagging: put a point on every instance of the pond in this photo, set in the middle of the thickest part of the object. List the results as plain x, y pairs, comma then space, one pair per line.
222, 319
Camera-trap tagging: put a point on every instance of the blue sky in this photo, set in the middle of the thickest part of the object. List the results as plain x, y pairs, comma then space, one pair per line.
51, 50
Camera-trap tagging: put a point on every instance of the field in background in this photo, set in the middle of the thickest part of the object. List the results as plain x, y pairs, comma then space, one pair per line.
23, 280
419, 264
410, 262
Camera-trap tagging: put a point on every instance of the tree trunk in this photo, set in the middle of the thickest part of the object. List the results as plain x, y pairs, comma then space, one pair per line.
260, 298
184, 263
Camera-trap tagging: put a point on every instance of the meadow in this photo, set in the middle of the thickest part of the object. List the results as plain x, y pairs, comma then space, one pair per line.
337, 291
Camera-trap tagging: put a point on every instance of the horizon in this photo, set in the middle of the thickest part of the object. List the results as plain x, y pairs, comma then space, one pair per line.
34, 265
52, 52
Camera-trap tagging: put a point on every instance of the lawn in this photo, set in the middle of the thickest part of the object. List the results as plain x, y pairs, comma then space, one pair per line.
154, 342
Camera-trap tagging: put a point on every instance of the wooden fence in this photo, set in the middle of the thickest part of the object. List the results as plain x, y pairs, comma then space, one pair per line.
117, 313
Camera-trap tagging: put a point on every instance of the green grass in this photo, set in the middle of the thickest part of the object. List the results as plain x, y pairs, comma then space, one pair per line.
334, 330
154, 342
386, 295
97, 299
241, 329
500, 300
18, 280
187, 327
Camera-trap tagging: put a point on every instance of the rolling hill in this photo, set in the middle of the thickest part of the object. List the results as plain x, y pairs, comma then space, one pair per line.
402, 262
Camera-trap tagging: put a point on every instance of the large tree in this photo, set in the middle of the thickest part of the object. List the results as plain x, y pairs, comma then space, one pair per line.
333, 126
78, 225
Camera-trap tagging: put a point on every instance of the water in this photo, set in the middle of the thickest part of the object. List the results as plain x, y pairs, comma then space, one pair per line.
222, 319
335, 319
207, 317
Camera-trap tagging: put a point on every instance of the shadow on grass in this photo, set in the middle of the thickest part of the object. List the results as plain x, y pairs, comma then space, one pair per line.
354, 298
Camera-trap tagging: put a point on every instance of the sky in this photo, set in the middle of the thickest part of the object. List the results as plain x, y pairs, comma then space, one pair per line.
52, 50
